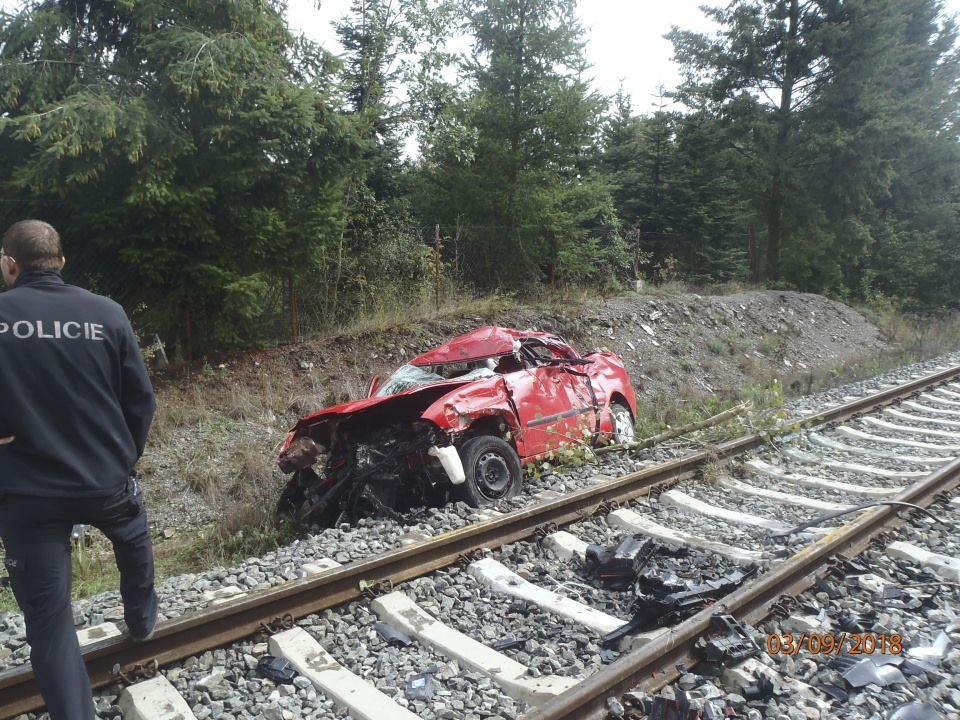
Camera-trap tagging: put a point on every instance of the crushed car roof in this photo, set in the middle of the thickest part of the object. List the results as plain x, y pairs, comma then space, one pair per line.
482, 343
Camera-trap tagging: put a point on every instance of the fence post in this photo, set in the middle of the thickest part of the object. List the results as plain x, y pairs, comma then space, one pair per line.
436, 268
189, 335
294, 319
753, 256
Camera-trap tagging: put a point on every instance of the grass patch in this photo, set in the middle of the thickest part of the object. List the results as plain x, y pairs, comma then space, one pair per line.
717, 346
772, 345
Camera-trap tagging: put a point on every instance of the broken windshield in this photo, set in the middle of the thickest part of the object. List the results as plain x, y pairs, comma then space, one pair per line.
408, 377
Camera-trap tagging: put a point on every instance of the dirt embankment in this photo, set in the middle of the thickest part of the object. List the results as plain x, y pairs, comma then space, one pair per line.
217, 430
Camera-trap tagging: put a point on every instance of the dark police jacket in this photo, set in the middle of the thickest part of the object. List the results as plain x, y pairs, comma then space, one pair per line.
73, 390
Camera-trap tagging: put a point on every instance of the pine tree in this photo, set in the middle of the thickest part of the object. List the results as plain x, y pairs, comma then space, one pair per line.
518, 164
189, 152
822, 100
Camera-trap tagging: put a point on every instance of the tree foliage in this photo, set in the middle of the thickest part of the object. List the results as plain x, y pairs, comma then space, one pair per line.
513, 157
188, 151
828, 103
219, 175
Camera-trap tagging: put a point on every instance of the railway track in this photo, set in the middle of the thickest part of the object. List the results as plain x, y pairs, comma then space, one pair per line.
724, 506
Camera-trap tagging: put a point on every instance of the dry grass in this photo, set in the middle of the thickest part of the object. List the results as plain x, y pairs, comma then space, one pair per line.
456, 302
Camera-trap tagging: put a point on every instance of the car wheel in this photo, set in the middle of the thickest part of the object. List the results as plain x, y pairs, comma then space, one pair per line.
492, 469
623, 427
291, 500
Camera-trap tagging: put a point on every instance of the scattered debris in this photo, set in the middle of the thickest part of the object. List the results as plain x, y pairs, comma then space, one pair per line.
760, 690
732, 644
423, 686
932, 653
878, 670
508, 642
620, 565
915, 710
664, 598
393, 636
276, 669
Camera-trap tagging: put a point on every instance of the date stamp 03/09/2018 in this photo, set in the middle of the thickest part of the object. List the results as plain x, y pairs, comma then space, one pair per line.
834, 643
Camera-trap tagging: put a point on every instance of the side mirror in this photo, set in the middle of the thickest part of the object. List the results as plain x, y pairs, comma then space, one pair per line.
374, 384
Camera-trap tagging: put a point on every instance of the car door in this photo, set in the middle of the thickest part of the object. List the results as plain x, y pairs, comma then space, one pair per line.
542, 396
584, 398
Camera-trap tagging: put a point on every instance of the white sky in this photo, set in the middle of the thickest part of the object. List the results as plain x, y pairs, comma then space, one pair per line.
624, 38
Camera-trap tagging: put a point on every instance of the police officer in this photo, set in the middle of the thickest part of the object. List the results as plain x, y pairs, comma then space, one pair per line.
75, 408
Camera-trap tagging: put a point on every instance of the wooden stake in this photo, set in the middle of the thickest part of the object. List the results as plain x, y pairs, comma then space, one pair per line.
676, 432
294, 318
436, 268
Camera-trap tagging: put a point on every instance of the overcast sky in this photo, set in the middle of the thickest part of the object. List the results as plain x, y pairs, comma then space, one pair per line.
624, 37
625, 42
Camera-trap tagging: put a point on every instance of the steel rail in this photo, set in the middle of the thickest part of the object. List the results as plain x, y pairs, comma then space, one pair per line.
202, 630
654, 664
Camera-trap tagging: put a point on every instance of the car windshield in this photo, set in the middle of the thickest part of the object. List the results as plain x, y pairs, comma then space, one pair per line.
411, 376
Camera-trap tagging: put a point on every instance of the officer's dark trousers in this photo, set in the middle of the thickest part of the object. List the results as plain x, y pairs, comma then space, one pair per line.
36, 535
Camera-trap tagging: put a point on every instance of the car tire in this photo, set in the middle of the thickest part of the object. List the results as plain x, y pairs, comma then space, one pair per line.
624, 430
291, 500
492, 469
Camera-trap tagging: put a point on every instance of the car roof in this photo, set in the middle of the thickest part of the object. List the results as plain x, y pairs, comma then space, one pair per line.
484, 342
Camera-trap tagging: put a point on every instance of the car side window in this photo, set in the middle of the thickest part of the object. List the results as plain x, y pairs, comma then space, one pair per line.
508, 364
538, 355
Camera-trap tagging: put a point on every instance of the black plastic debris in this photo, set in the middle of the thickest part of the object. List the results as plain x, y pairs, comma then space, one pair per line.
608, 656
915, 710
519, 607
834, 691
856, 566
393, 636
509, 642
672, 608
829, 588
762, 689
619, 566
898, 599
679, 708
731, 644
423, 686
857, 623
276, 669
664, 598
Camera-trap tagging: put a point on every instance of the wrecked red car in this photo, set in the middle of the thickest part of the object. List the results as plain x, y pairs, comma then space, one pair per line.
456, 422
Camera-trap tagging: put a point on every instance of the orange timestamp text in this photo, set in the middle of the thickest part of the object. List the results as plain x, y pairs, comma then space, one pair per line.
834, 644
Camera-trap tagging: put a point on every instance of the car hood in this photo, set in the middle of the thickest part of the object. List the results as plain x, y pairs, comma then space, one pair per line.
321, 422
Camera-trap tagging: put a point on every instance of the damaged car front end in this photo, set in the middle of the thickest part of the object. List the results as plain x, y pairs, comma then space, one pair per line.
455, 423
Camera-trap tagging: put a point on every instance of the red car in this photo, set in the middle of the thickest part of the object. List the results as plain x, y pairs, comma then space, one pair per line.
458, 421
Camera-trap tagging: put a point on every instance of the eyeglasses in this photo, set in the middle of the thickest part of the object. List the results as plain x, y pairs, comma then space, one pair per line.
3, 254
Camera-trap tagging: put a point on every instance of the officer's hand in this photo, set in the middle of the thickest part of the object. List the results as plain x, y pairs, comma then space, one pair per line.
7, 440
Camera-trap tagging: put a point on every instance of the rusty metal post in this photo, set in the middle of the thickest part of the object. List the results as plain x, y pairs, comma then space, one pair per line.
436, 268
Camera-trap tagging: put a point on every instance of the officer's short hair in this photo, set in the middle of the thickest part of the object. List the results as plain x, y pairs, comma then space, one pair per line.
34, 244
